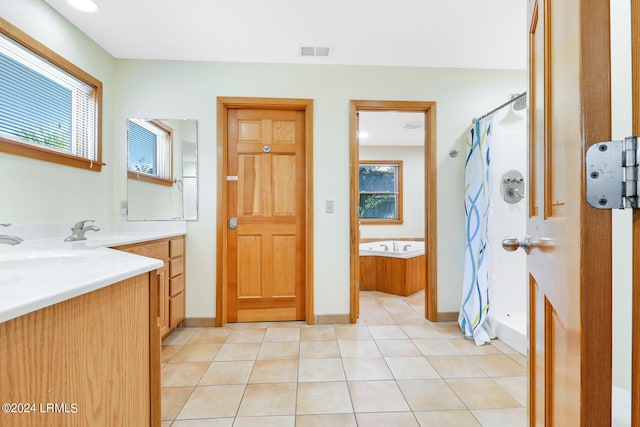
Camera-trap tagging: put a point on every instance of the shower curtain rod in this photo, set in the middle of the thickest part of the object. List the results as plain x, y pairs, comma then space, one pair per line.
512, 100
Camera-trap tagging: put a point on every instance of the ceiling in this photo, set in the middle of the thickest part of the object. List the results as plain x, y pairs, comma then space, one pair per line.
488, 34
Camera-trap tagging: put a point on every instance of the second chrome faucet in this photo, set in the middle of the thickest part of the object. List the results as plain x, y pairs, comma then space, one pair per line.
79, 229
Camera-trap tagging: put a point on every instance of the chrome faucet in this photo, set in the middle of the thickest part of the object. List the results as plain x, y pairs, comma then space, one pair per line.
386, 248
10, 240
395, 246
78, 230
406, 248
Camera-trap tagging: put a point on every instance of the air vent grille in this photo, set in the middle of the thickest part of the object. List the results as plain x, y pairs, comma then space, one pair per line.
315, 51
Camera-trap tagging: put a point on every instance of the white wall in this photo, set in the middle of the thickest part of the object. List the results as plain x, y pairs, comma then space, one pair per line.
621, 220
412, 189
189, 89
31, 189
508, 270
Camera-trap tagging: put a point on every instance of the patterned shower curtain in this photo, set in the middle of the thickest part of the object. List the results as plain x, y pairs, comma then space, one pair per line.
474, 310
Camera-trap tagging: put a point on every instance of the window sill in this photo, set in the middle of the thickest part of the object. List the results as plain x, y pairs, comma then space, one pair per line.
38, 153
149, 178
381, 221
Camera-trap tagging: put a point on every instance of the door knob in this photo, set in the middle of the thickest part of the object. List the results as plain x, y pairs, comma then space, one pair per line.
233, 223
512, 243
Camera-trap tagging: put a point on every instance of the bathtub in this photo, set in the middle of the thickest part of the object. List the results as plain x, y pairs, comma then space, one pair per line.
392, 266
512, 329
392, 248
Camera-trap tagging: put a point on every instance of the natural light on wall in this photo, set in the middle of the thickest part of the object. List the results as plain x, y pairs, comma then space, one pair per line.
84, 5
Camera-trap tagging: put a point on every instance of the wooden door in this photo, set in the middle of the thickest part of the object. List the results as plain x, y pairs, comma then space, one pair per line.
266, 194
570, 258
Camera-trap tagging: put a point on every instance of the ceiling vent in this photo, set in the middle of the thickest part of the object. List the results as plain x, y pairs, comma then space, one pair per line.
315, 51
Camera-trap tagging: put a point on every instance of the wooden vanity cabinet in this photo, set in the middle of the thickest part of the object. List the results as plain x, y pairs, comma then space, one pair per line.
171, 277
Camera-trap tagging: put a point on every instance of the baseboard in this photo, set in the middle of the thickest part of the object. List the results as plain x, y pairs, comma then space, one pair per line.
327, 319
448, 316
198, 322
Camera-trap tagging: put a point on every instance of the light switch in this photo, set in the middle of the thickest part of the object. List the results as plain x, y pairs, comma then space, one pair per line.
328, 206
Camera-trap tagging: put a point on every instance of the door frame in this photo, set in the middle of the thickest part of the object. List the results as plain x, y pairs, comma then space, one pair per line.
224, 104
430, 189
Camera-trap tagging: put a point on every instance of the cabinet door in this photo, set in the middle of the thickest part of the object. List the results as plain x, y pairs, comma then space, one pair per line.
163, 288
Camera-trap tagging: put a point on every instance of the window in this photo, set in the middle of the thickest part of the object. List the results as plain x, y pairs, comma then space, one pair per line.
381, 192
149, 150
49, 108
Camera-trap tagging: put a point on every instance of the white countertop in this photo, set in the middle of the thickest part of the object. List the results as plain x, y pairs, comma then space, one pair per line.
41, 272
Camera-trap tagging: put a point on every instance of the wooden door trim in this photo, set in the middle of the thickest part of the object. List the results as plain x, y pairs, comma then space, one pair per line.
429, 109
635, 317
224, 104
596, 263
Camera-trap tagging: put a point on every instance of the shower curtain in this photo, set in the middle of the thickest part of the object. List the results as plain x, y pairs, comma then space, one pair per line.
474, 310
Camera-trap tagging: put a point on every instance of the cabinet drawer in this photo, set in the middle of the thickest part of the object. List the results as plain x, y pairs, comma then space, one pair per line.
176, 247
159, 250
176, 267
176, 310
176, 285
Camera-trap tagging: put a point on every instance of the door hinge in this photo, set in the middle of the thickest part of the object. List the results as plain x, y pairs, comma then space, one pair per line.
612, 174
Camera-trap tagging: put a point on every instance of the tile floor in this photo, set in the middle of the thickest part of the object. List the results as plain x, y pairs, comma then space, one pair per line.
393, 369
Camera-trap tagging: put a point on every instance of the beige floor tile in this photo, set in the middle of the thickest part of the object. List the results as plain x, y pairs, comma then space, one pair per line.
316, 370
323, 398
455, 367
210, 336
168, 351
332, 420
377, 396
377, 319
268, 399
352, 333
318, 349
410, 319
498, 365
173, 399
448, 329
274, 371
421, 331
482, 393
366, 369
183, 374
245, 351
205, 422
469, 347
520, 359
515, 386
436, 347
247, 335
503, 347
274, 421
279, 350
404, 419
165, 423
411, 368
387, 332
179, 336
318, 333
196, 353
502, 417
353, 348
448, 419
402, 347
222, 373
429, 395
216, 401
282, 334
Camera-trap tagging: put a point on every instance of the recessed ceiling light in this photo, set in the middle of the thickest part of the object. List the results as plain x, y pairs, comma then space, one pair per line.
88, 6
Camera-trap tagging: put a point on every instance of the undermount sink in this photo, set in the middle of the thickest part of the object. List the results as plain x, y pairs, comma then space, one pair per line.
45, 259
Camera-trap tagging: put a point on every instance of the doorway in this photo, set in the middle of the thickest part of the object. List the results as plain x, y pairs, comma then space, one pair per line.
265, 224
430, 210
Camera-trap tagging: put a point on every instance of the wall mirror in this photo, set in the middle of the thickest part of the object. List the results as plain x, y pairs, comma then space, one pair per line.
162, 169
